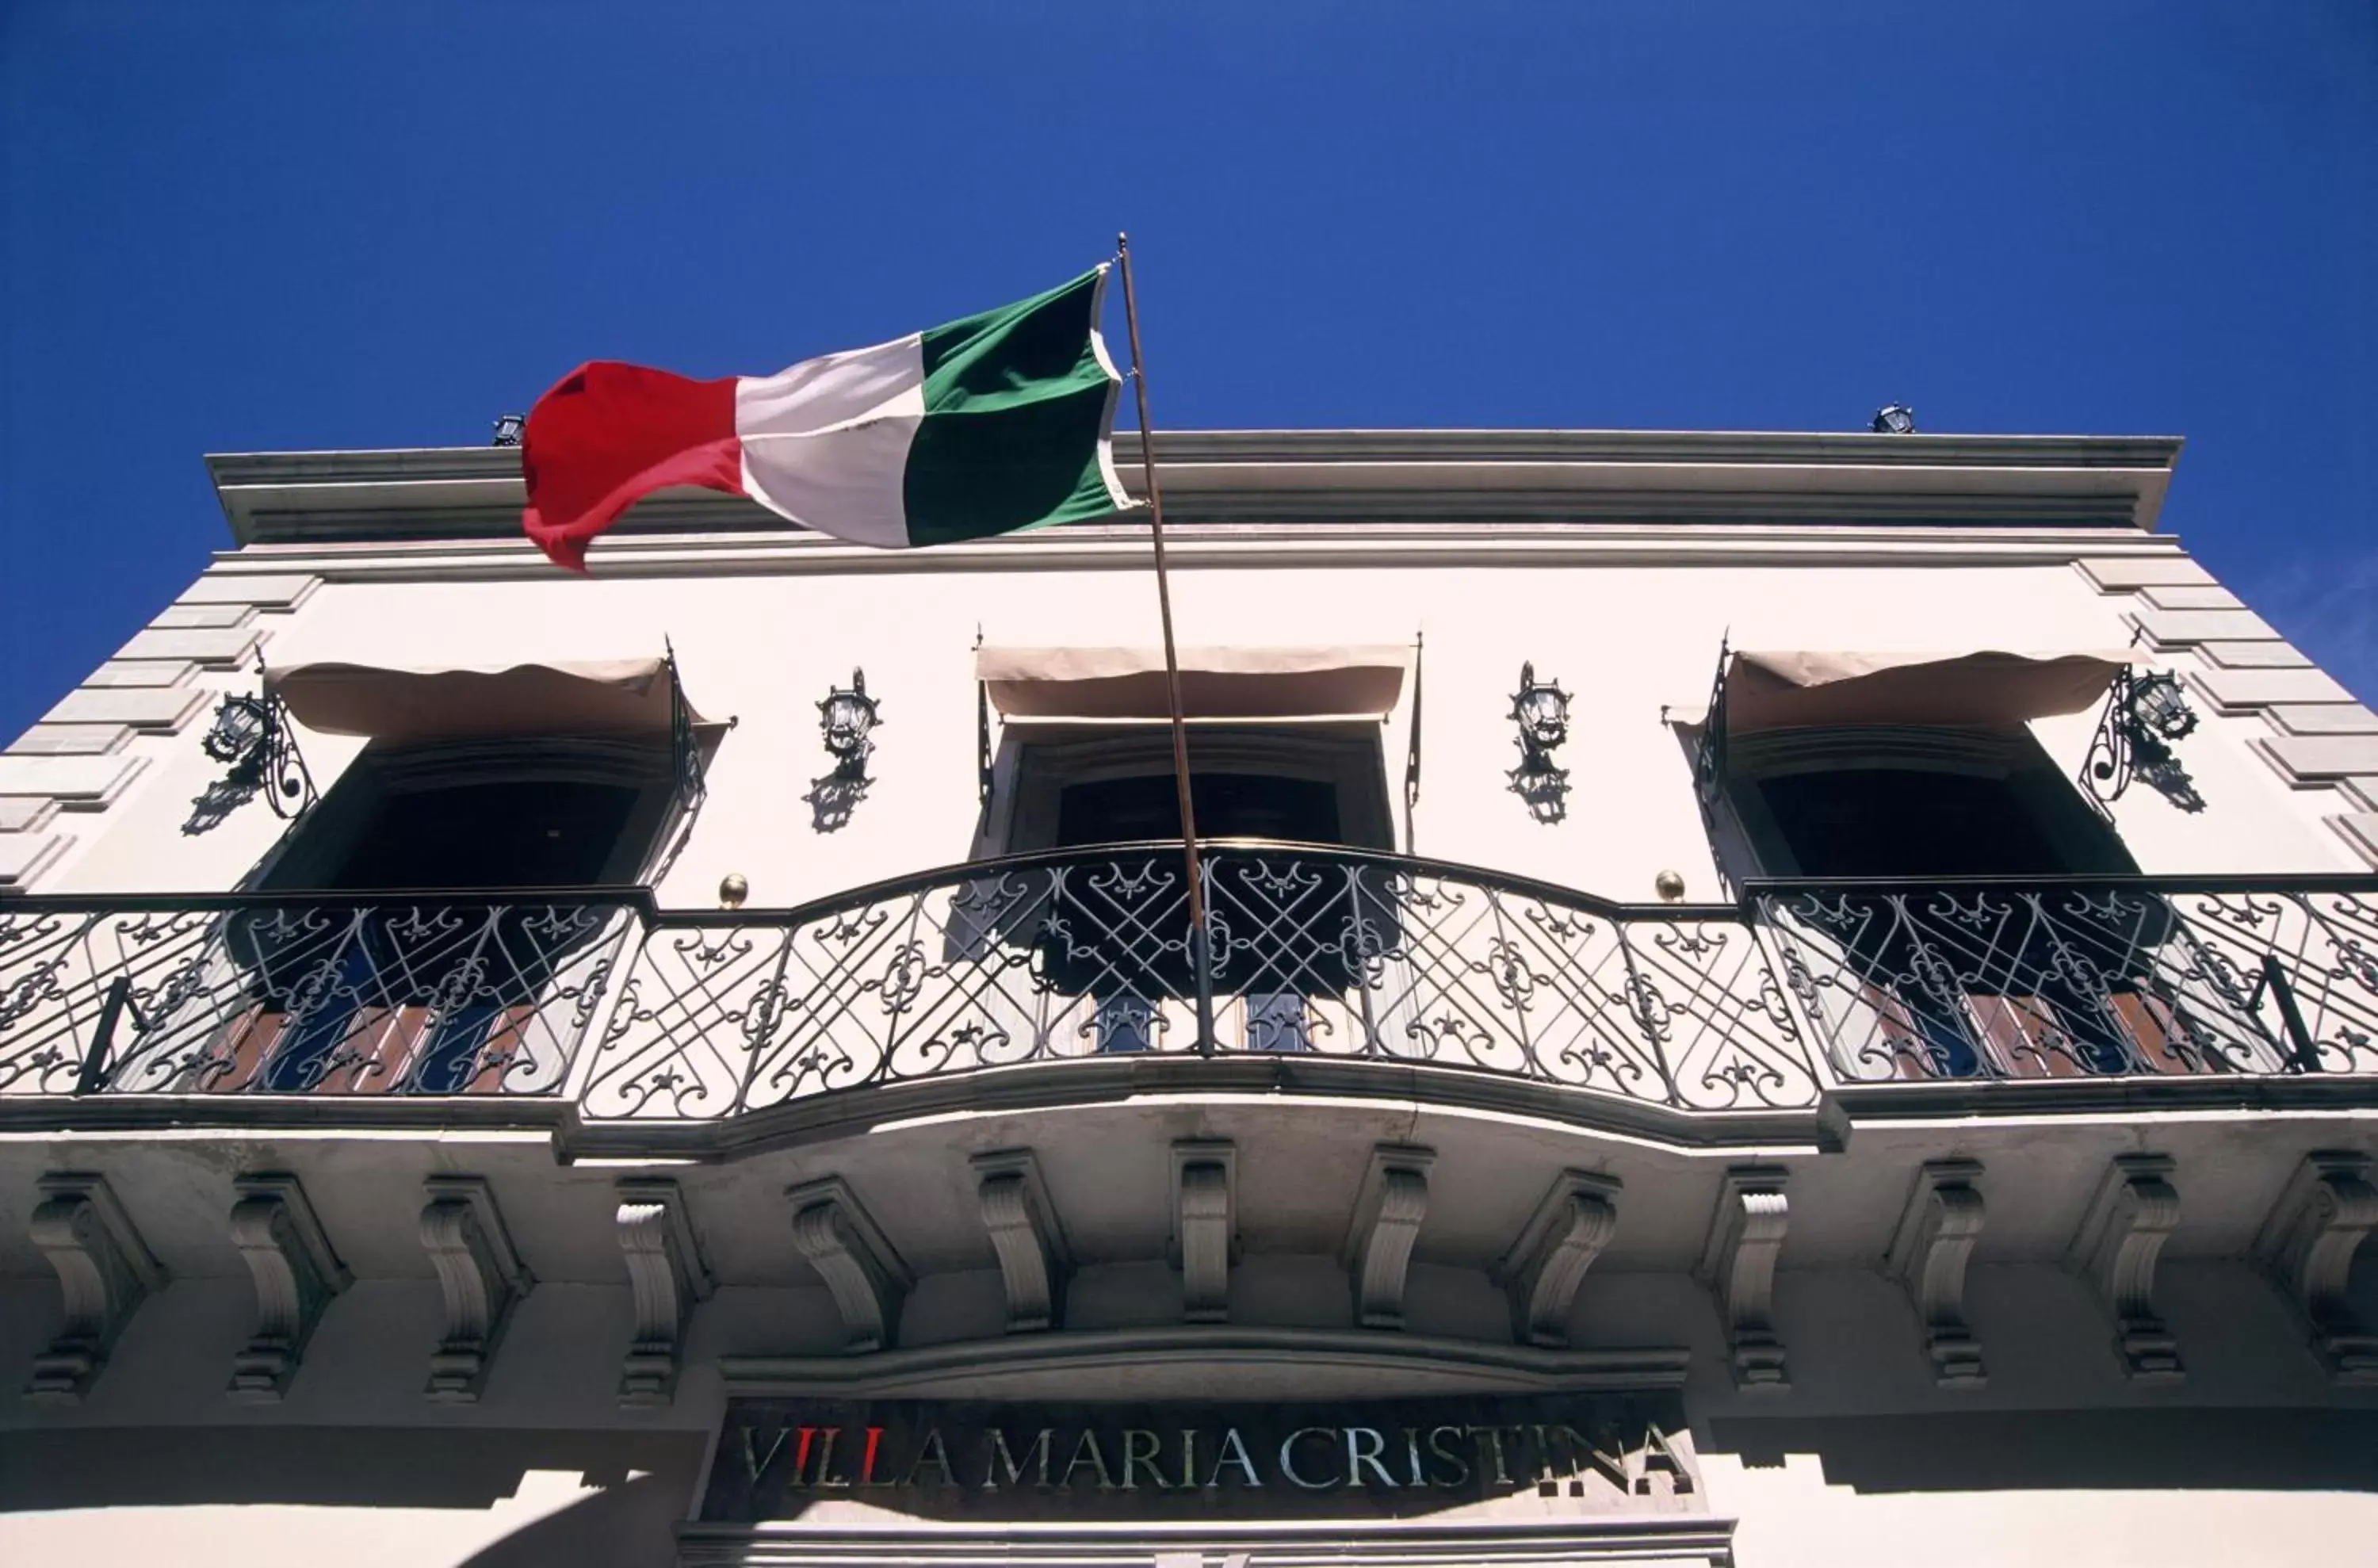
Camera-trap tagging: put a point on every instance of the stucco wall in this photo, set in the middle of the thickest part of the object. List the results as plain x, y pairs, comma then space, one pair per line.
1625, 640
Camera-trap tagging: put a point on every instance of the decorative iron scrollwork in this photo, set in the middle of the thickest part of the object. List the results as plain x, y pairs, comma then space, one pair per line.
1081, 953
2074, 978
2144, 715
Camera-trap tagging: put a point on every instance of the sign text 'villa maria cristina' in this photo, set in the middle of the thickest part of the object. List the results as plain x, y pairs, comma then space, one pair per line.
1603, 1453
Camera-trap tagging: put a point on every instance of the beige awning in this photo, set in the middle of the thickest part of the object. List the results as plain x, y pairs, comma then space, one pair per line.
1359, 681
615, 697
1983, 688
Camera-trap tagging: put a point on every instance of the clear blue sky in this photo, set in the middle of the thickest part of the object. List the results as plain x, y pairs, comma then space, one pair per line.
265, 225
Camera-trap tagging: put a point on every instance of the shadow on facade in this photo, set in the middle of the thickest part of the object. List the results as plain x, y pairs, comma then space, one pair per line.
642, 1481
2241, 1449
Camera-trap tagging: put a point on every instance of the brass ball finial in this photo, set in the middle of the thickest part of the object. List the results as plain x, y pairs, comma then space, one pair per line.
733, 890
1670, 886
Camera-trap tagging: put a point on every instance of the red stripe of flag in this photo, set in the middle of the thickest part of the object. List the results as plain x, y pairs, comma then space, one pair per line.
608, 435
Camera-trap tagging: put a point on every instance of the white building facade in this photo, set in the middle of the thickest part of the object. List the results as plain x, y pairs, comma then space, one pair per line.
1770, 1000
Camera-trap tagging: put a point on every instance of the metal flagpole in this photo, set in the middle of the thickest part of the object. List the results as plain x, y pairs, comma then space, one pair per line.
1197, 953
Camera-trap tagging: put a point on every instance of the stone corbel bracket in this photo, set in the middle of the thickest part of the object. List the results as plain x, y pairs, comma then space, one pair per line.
297, 1274
481, 1277
1928, 1252
843, 1242
1034, 1258
2122, 1235
668, 1275
104, 1271
1739, 1265
1389, 1209
2308, 1245
1204, 1226
1542, 1272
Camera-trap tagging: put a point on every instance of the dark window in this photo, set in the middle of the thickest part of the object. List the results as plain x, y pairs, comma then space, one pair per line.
546, 833
1905, 822
1229, 805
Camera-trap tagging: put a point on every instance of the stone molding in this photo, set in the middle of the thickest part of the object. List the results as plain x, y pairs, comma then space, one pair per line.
1929, 1249
1204, 1226
1182, 1360
297, 1274
868, 1278
76, 758
1738, 1264
105, 1271
1685, 1541
1547, 1263
1025, 1236
2111, 485
666, 1276
2237, 666
481, 1277
1389, 1209
2120, 1236
2307, 1244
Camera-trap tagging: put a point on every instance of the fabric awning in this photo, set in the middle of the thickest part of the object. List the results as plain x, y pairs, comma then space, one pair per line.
1982, 689
1360, 681
615, 697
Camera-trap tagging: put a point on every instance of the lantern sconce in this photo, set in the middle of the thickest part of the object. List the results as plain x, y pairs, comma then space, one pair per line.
250, 736
846, 717
2144, 714
1540, 708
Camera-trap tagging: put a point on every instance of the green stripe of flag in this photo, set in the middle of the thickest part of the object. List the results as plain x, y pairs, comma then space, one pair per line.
1018, 403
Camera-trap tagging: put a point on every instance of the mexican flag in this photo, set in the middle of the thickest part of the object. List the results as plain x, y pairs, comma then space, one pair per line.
990, 424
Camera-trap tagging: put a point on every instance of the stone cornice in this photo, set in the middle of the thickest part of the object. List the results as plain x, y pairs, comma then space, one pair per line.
1192, 546
1362, 477
1179, 1361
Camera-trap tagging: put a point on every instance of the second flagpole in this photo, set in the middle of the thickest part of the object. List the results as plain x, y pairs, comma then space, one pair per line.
1197, 953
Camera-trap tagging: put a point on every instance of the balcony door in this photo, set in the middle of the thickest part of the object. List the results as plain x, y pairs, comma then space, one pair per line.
432, 979
1284, 959
2036, 977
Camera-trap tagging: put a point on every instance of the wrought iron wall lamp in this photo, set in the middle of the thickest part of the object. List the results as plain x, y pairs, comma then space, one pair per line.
2144, 714
250, 735
1540, 708
845, 718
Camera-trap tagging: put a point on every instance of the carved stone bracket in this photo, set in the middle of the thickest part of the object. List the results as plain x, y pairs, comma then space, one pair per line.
296, 1275
1928, 1252
1387, 1213
668, 1275
841, 1240
481, 1276
1543, 1268
1204, 1226
1024, 1232
1738, 1264
104, 1271
2308, 1245
2122, 1235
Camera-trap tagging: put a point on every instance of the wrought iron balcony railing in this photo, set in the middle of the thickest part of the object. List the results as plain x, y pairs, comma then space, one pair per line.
441, 994
634, 1016
2132, 977
1083, 953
